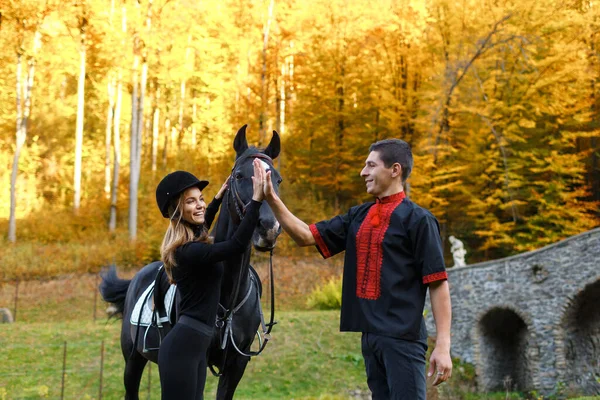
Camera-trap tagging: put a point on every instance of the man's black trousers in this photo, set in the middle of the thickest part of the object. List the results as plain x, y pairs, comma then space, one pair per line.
395, 367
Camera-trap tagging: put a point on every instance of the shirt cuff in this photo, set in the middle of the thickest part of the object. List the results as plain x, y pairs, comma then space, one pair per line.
320, 243
437, 276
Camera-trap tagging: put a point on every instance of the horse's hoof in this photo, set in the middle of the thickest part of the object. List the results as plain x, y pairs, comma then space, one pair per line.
111, 310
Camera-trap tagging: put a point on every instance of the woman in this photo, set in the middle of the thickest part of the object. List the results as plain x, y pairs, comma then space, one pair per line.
193, 264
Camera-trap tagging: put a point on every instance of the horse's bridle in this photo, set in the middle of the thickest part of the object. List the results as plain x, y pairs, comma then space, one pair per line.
239, 205
226, 320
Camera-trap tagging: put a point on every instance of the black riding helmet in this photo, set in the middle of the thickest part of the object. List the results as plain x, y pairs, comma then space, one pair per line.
172, 186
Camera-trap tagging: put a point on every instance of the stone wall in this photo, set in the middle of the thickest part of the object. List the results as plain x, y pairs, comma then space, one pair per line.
532, 320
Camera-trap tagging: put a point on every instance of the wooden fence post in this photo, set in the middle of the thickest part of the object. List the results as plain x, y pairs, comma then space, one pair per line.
16, 302
95, 298
64, 372
101, 369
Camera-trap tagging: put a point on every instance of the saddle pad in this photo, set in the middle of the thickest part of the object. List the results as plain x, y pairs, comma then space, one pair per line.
146, 306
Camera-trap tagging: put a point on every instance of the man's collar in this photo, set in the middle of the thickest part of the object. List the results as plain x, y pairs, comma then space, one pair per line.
393, 198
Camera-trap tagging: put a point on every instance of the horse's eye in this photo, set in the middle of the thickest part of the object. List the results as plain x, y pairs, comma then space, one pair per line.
238, 176
279, 181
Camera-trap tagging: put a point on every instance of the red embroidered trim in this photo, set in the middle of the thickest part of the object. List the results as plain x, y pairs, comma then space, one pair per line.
438, 276
369, 246
319, 241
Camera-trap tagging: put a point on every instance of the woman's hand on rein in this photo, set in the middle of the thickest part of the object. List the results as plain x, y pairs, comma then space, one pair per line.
258, 180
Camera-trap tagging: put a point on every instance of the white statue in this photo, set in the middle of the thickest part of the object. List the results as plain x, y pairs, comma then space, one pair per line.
458, 252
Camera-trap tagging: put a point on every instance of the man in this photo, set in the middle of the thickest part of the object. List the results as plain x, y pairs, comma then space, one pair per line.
393, 254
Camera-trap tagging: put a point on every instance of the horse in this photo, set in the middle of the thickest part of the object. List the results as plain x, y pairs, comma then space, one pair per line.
240, 312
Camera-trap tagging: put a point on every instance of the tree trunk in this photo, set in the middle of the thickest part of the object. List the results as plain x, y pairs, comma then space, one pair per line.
108, 134
263, 77
167, 133
79, 124
140, 119
341, 127
166, 142
112, 223
281, 110
180, 119
133, 146
280, 119
155, 125
194, 116
292, 95
21, 128
109, 116
137, 123
20, 140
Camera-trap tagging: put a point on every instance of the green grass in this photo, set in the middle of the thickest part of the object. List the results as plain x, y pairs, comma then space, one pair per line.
307, 359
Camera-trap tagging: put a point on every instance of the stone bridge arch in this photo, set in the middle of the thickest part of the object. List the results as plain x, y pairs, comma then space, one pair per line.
547, 300
579, 340
504, 348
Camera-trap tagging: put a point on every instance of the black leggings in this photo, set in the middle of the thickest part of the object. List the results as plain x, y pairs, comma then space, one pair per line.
182, 363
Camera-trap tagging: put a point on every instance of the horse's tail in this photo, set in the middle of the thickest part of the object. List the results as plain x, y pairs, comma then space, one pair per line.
113, 289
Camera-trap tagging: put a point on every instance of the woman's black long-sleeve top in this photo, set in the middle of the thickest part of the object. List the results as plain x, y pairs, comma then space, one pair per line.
198, 273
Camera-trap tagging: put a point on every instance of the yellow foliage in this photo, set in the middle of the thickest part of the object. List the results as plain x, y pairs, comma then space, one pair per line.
496, 100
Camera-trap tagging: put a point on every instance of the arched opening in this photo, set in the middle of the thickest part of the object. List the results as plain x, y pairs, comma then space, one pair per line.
503, 351
582, 352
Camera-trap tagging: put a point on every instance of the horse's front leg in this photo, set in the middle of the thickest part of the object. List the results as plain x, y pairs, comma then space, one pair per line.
233, 372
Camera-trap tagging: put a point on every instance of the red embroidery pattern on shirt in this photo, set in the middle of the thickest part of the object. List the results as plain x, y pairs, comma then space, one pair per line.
438, 276
319, 241
369, 246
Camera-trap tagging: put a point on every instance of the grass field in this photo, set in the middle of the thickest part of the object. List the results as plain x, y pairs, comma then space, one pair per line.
308, 358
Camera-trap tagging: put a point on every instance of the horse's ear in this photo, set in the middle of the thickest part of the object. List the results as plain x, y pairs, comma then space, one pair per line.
240, 144
274, 146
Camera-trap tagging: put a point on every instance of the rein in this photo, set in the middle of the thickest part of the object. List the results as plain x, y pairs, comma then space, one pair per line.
266, 327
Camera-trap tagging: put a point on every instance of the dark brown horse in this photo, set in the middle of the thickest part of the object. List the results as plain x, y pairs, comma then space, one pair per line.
240, 315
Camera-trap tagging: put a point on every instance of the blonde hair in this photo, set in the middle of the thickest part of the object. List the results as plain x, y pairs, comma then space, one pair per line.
178, 233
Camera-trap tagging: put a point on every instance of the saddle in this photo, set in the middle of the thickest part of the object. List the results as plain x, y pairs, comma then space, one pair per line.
155, 307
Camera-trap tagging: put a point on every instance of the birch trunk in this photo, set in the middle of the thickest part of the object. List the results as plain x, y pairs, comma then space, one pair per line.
263, 77
140, 118
108, 134
79, 124
180, 120
194, 116
155, 125
137, 123
133, 167
112, 223
21, 128
166, 142
281, 111
20, 140
167, 131
292, 95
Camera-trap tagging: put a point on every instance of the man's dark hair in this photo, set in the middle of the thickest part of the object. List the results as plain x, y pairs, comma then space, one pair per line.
395, 151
